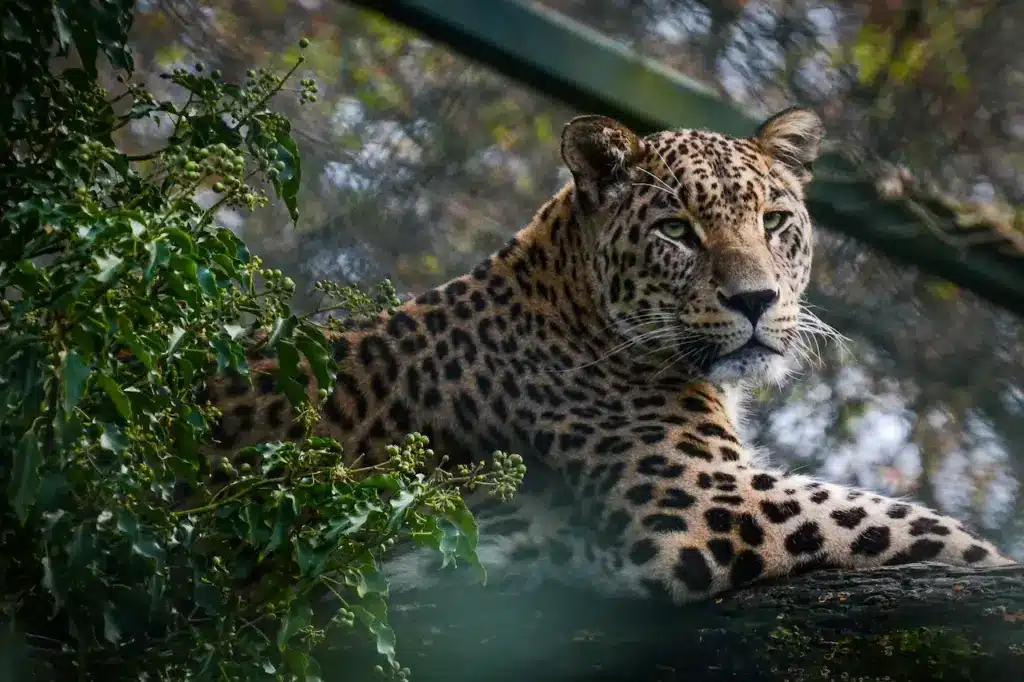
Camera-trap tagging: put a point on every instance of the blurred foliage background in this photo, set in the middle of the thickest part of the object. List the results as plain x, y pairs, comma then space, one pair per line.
419, 162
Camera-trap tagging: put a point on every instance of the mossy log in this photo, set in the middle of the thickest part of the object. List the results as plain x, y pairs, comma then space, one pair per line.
918, 622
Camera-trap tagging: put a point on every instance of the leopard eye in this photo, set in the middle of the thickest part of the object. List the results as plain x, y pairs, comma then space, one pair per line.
678, 230
775, 220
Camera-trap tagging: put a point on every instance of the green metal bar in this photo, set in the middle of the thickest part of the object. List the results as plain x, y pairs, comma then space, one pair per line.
565, 60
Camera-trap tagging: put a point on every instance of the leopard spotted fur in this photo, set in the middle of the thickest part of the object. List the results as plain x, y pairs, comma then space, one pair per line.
607, 343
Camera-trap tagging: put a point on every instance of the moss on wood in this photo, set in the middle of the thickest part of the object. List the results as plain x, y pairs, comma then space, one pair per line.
922, 622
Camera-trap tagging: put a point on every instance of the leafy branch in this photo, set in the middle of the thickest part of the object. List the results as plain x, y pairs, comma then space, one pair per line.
121, 295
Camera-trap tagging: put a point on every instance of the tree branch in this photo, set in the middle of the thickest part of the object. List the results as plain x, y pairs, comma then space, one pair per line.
918, 622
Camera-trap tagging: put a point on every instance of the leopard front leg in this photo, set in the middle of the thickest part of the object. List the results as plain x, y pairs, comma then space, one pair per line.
692, 532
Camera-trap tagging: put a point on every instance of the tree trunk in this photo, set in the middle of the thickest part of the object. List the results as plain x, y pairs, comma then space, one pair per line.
918, 622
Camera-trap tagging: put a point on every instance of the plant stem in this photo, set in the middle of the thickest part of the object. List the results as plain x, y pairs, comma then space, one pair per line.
213, 506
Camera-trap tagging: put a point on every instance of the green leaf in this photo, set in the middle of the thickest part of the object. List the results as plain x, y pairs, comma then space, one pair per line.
186, 267
159, 254
319, 357
312, 673
286, 371
272, 455
108, 266
179, 238
381, 481
372, 610
372, 581
352, 522
83, 30
255, 523
63, 29
283, 328
234, 330
50, 585
468, 536
299, 616
226, 264
464, 521
212, 129
288, 181
127, 523
120, 400
111, 632
312, 559
301, 665
207, 281
73, 374
148, 547
426, 531
25, 475
139, 351
113, 439
287, 511
449, 544
455, 543
177, 334
223, 352
207, 597
399, 504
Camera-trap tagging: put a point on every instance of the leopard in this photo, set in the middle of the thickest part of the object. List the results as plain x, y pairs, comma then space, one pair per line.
612, 342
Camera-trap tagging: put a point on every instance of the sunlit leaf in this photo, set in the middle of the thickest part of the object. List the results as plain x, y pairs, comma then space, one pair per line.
282, 329
399, 504
113, 438
159, 254
234, 330
207, 281
174, 340
108, 265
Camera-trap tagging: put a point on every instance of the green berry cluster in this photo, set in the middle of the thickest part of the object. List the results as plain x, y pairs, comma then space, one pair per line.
308, 91
507, 471
93, 151
276, 281
412, 456
396, 670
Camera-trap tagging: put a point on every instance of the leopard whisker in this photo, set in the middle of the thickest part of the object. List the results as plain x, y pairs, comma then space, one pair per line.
615, 349
664, 184
681, 355
679, 183
657, 187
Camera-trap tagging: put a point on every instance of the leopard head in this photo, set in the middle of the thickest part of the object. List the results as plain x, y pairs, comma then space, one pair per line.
698, 244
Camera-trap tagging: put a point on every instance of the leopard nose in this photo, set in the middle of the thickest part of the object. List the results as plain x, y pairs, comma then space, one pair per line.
750, 304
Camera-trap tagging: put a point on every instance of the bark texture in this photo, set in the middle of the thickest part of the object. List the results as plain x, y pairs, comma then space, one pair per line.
918, 622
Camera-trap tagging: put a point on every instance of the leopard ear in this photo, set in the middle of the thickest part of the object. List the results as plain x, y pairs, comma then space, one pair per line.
792, 137
599, 151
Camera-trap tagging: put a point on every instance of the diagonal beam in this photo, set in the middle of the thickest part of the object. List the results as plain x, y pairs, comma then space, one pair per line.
565, 60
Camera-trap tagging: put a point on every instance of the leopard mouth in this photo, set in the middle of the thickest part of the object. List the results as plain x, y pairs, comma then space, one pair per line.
754, 348
751, 353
